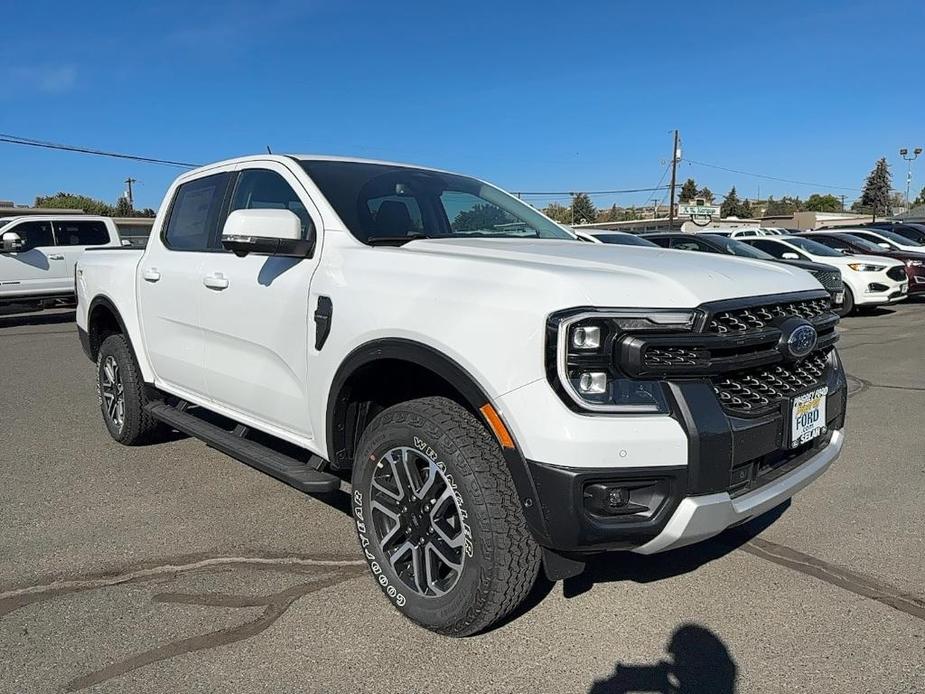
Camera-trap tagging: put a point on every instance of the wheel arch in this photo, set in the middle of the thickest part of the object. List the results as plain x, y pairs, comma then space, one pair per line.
375, 363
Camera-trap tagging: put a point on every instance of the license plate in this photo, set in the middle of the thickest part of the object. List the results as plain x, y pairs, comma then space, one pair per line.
807, 420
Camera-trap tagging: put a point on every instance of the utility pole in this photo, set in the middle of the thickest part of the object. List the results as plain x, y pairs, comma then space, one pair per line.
675, 156
128, 191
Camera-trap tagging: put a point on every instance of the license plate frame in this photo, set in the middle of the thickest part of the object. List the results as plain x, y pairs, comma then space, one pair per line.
803, 426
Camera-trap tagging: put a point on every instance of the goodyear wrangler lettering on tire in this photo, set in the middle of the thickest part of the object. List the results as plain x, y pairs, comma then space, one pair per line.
370, 557
438, 518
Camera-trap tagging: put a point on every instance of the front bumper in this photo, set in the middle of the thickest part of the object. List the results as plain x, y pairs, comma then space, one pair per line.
701, 517
729, 468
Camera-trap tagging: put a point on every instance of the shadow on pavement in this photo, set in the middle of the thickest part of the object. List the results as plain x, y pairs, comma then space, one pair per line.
626, 566
698, 662
16, 320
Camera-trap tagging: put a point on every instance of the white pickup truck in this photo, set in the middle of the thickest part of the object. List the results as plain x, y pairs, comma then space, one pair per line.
38, 255
500, 396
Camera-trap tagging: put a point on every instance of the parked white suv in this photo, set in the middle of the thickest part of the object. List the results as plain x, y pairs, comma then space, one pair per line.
499, 395
870, 280
38, 255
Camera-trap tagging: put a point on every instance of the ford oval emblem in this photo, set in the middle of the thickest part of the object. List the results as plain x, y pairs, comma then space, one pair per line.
801, 341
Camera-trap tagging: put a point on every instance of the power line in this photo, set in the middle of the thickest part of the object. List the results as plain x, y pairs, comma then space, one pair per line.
770, 178
562, 193
28, 142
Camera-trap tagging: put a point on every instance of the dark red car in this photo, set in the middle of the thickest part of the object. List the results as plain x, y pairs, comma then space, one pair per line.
847, 242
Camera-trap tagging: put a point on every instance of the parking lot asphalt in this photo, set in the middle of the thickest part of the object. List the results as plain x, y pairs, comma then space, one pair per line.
174, 568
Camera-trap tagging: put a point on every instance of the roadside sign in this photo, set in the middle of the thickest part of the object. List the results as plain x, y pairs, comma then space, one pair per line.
701, 215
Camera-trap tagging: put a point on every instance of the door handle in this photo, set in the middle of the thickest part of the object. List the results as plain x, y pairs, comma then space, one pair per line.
215, 281
151, 275
56, 257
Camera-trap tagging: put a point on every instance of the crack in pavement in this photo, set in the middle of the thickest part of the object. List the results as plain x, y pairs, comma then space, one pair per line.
835, 575
275, 604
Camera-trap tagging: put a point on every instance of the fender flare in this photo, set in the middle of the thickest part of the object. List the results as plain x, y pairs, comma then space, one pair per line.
107, 303
450, 371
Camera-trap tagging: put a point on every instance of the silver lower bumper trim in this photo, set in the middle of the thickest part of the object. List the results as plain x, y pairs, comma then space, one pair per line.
700, 517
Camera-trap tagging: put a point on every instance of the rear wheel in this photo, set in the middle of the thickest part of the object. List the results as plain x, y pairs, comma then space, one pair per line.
438, 518
123, 394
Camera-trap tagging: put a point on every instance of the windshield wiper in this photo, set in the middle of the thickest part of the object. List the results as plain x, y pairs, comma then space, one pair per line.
396, 240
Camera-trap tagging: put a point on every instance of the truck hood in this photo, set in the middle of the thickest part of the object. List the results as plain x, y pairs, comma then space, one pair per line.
612, 275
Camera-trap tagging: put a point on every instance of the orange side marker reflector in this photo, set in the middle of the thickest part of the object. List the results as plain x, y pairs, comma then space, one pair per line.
497, 426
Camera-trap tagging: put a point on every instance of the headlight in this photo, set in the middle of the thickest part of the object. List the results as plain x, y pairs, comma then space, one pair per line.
864, 267
581, 364
914, 263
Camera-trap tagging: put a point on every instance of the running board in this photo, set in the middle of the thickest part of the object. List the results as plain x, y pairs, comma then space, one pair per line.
293, 472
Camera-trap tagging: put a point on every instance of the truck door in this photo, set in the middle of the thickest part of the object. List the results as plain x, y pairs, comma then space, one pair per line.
37, 268
73, 237
256, 317
169, 284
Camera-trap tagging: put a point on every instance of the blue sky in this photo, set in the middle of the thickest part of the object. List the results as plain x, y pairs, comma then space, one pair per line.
531, 95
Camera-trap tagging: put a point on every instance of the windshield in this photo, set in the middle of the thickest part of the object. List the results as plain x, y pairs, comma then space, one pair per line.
626, 240
861, 243
896, 238
813, 247
734, 247
390, 203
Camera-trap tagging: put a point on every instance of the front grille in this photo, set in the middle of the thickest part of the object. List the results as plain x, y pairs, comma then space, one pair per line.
830, 279
675, 356
897, 273
741, 321
758, 389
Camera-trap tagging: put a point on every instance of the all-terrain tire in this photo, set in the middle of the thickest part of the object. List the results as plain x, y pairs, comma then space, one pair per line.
501, 557
134, 425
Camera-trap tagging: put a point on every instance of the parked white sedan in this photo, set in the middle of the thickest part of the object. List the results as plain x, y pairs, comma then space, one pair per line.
870, 280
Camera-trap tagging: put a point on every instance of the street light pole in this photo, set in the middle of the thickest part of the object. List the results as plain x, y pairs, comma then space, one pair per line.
904, 153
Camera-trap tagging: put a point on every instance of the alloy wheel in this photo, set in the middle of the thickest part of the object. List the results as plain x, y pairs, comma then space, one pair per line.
417, 521
112, 391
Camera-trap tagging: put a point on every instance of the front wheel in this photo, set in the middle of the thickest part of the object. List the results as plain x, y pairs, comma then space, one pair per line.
438, 518
847, 308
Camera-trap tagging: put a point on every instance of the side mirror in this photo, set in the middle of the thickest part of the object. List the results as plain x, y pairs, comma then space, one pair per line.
884, 244
126, 243
10, 242
843, 251
267, 231
790, 256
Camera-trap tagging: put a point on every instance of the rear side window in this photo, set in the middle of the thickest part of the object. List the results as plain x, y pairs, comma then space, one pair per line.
34, 234
194, 215
772, 247
691, 245
260, 189
88, 233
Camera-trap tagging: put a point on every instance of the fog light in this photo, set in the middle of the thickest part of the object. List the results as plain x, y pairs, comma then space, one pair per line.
592, 383
617, 498
586, 337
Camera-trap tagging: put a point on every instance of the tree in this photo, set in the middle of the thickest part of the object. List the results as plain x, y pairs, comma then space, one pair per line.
123, 208
72, 201
919, 200
786, 205
822, 203
688, 191
706, 194
731, 204
583, 210
558, 213
612, 215
481, 218
745, 209
876, 195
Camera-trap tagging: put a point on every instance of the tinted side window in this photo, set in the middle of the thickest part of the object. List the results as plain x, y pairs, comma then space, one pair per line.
775, 249
832, 242
260, 189
194, 214
691, 245
34, 234
867, 237
662, 241
81, 233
